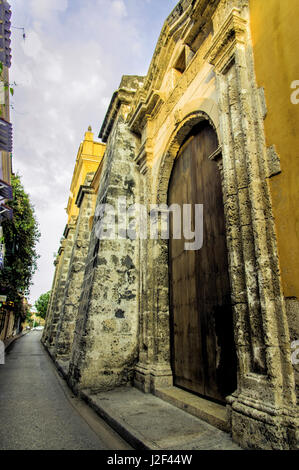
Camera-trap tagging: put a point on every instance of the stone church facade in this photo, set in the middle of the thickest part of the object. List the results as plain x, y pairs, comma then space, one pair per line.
128, 311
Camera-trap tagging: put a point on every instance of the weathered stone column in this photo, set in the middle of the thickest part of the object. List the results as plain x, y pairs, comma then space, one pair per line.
49, 308
262, 411
65, 330
65, 261
153, 369
49, 317
105, 343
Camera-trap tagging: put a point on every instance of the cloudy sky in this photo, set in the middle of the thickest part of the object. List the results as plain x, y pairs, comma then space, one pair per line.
66, 70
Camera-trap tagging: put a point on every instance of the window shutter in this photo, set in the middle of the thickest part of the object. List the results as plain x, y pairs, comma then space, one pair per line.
5, 190
5, 33
5, 136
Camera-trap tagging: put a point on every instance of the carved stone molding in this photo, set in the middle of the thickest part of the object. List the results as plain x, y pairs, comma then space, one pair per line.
145, 109
265, 398
144, 156
232, 33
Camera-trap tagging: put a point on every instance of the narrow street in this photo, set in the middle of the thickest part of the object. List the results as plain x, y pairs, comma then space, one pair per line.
39, 412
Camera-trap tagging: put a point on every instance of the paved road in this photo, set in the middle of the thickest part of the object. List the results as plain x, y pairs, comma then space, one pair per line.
37, 410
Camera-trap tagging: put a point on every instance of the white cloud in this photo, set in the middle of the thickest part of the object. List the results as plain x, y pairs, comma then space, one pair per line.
105, 100
32, 46
53, 68
67, 69
42, 8
119, 8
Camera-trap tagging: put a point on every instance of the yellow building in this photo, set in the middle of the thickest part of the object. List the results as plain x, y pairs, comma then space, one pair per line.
67, 284
213, 124
275, 37
7, 319
5, 125
89, 156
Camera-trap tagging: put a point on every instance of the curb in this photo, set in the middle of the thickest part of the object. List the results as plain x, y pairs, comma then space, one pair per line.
62, 371
126, 432
10, 341
113, 418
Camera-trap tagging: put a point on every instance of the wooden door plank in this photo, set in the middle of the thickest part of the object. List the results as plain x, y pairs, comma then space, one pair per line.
202, 351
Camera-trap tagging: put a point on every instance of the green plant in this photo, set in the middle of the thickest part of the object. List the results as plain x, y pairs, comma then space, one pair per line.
7, 85
41, 304
21, 235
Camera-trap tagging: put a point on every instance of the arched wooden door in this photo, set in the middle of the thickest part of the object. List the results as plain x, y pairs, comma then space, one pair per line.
203, 352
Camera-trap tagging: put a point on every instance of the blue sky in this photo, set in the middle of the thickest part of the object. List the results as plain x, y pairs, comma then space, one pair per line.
66, 70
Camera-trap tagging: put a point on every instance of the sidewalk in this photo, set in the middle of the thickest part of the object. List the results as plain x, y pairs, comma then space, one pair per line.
9, 341
147, 422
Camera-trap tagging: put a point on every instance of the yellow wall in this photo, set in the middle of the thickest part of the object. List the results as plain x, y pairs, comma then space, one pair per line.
5, 158
89, 156
8, 329
275, 34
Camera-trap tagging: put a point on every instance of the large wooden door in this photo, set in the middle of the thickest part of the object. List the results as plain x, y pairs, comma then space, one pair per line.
203, 353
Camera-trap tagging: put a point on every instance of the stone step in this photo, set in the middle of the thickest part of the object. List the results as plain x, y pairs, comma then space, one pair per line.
212, 413
147, 422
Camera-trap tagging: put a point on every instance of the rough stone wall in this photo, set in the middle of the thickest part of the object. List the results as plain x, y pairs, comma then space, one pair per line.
49, 316
105, 344
73, 285
266, 379
292, 307
59, 292
275, 24
262, 411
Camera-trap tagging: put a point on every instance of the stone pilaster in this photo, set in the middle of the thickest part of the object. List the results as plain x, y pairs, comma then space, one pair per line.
49, 316
59, 294
262, 410
66, 326
105, 343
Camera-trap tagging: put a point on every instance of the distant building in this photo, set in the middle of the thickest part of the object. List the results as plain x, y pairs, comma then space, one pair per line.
66, 287
11, 323
5, 125
8, 324
214, 123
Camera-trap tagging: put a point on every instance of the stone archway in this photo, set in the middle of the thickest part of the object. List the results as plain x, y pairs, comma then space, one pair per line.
179, 134
161, 269
203, 355
154, 368
260, 325
265, 401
